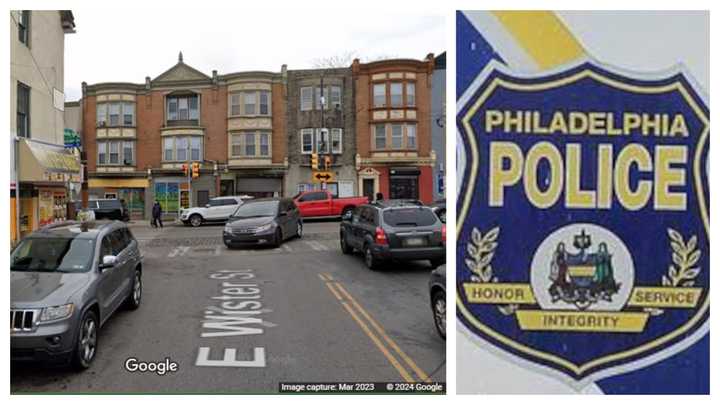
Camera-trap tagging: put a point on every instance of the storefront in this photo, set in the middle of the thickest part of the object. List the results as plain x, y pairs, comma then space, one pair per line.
130, 190
45, 174
259, 187
402, 182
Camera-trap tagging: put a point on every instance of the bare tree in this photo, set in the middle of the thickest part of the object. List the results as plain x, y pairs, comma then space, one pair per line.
346, 59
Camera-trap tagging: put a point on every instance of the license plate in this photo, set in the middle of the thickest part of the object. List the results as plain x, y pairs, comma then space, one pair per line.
414, 241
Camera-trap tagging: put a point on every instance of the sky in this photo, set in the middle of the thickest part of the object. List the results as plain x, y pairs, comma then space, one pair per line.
126, 45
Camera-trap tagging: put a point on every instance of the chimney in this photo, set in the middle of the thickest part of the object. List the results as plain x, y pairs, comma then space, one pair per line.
147, 82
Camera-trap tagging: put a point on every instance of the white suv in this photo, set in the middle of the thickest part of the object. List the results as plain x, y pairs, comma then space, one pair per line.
218, 209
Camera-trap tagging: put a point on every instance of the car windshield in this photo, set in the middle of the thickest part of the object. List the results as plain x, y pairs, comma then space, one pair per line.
257, 209
411, 216
62, 254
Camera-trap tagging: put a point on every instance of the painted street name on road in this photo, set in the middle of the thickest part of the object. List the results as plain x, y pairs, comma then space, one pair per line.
237, 312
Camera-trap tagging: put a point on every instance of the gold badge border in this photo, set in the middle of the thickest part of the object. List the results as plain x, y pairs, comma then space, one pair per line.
579, 369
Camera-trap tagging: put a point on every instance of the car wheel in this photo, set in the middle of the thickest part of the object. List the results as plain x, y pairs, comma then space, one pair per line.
87, 341
278, 238
228, 245
299, 229
195, 220
370, 261
346, 249
439, 307
133, 300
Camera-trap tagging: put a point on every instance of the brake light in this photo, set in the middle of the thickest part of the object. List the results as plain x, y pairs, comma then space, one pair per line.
443, 233
380, 237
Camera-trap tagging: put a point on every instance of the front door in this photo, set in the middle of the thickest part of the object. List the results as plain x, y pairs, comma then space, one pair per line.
203, 196
369, 189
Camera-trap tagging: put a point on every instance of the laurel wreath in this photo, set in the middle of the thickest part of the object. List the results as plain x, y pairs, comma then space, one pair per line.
481, 250
682, 272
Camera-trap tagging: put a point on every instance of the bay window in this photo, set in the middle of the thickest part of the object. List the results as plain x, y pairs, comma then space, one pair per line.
115, 114
402, 94
181, 148
116, 153
250, 144
401, 136
250, 103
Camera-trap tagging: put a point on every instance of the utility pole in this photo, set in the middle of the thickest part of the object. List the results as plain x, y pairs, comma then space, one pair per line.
323, 185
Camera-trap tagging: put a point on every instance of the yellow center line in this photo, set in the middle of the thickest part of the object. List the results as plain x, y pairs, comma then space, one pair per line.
409, 361
403, 372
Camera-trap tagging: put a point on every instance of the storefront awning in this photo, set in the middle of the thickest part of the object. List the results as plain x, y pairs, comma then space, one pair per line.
110, 182
44, 162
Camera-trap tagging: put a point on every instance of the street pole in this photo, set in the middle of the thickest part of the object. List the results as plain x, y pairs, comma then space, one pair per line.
323, 186
189, 174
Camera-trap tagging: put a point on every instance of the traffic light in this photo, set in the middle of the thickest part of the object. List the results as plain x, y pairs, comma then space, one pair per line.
328, 161
195, 170
185, 169
314, 161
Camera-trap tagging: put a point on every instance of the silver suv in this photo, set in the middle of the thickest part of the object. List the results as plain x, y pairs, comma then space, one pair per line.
66, 281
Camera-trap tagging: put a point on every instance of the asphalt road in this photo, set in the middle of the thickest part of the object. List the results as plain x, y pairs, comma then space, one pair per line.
312, 315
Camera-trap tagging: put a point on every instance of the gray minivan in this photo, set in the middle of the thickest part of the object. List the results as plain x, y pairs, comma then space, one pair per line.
66, 280
265, 221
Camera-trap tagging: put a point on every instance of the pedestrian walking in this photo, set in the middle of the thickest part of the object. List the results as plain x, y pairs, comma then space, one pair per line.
157, 215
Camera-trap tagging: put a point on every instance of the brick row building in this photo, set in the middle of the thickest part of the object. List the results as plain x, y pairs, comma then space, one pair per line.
255, 132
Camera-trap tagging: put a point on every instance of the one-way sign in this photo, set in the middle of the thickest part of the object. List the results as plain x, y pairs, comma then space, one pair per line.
323, 177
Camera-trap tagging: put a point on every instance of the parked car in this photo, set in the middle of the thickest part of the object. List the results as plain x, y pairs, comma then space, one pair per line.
438, 304
66, 280
323, 204
438, 208
106, 208
263, 221
218, 209
393, 230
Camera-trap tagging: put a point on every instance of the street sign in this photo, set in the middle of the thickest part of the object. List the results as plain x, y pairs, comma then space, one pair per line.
71, 138
323, 177
583, 223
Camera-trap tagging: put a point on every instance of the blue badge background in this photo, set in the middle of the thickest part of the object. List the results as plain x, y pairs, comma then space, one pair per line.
644, 232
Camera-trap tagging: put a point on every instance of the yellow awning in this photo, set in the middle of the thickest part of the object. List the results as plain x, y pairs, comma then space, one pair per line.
115, 182
41, 161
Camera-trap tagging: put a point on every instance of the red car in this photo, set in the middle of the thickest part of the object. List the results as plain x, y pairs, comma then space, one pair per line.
323, 204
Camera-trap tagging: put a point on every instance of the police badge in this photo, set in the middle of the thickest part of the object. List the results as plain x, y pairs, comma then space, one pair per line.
583, 218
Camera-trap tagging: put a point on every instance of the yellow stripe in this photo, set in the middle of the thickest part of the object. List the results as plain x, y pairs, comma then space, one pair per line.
420, 373
118, 182
403, 372
543, 36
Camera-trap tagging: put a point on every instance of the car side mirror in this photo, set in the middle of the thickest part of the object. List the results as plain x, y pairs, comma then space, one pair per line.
108, 261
